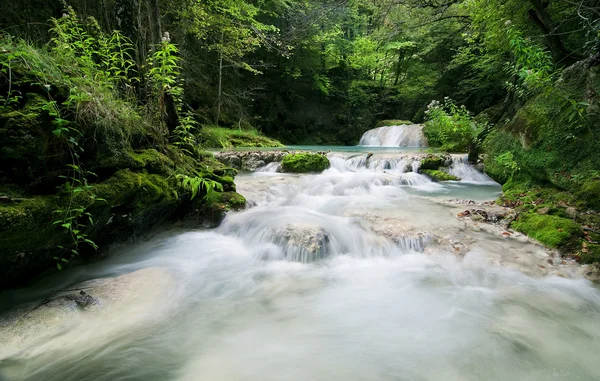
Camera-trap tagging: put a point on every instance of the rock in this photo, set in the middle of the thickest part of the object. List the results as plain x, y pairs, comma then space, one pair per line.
303, 242
571, 212
592, 272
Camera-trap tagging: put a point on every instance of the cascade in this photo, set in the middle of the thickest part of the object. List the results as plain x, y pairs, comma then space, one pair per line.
395, 136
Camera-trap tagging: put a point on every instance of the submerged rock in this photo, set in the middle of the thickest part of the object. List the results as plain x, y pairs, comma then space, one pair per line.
303, 242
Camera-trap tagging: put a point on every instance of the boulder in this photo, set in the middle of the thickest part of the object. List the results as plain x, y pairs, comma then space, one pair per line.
302, 242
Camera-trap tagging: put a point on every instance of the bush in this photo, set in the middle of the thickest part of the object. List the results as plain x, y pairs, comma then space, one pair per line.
305, 162
451, 127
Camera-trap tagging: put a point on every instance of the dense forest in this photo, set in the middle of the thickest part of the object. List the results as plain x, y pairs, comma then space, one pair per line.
112, 101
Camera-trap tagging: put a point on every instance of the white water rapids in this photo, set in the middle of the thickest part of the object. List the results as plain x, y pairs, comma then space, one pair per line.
351, 274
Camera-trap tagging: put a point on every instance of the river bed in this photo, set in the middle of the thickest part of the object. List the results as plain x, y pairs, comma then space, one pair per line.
363, 272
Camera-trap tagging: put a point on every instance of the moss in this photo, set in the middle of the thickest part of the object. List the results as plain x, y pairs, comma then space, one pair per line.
232, 200
393, 122
219, 137
552, 231
141, 191
27, 225
432, 162
437, 175
305, 162
590, 194
589, 253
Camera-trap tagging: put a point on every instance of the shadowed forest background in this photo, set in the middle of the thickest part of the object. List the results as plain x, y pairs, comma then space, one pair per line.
323, 72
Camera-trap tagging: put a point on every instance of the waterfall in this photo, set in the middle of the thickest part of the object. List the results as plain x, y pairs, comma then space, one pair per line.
467, 173
395, 136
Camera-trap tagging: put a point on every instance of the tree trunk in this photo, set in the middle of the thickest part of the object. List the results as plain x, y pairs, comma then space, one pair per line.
543, 20
220, 80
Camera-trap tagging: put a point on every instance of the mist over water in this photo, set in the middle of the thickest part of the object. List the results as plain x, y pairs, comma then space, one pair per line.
329, 277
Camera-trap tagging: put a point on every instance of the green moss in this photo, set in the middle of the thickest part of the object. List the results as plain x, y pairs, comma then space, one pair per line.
140, 191
393, 122
305, 162
552, 231
219, 137
432, 162
590, 194
590, 253
232, 200
27, 225
437, 175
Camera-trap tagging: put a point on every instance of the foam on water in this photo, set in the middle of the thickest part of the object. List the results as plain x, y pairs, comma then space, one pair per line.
395, 136
341, 300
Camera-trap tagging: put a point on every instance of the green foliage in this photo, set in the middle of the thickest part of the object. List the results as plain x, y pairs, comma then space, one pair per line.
451, 127
552, 231
304, 162
531, 70
197, 184
437, 175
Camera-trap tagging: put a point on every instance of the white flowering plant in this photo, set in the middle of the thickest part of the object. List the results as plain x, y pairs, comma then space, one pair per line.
451, 126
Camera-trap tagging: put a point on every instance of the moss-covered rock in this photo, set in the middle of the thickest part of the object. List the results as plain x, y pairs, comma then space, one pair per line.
552, 231
305, 162
432, 162
590, 194
437, 175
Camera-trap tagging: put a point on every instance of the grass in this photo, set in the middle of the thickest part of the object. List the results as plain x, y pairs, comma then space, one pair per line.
220, 137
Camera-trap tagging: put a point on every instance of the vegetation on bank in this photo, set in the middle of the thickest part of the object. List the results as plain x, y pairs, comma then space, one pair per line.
83, 162
393, 122
304, 162
219, 137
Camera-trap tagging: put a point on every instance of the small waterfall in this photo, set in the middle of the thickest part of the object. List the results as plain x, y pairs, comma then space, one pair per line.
467, 173
273, 167
395, 136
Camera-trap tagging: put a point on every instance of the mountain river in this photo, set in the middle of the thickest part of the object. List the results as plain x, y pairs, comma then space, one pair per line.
363, 272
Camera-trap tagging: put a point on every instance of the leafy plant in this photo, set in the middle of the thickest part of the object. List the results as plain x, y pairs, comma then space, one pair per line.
196, 184
451, 127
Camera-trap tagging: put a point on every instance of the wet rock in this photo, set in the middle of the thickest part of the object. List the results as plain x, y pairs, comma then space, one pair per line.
254, 160
303, 242
571, 212
481, 215
592, 272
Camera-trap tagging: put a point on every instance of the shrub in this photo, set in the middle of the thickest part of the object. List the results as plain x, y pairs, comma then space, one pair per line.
451, 127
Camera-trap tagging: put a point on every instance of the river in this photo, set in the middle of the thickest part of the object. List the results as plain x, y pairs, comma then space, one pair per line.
363, 272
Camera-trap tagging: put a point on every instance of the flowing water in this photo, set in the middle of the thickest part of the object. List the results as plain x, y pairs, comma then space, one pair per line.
345, 275
395, 136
